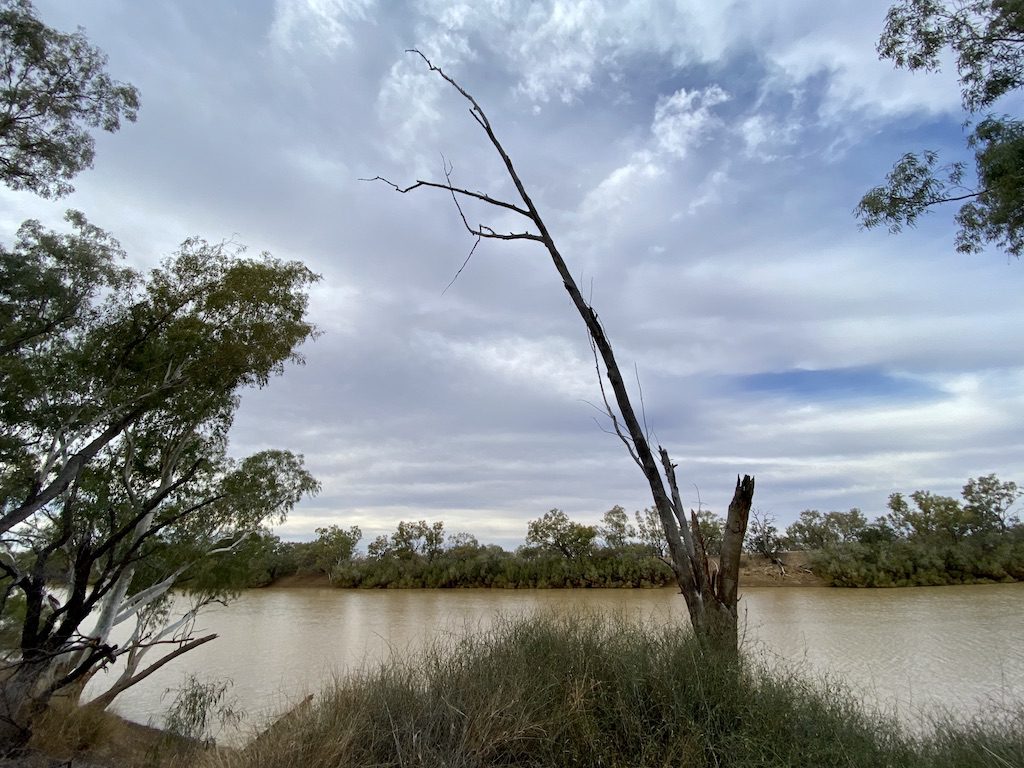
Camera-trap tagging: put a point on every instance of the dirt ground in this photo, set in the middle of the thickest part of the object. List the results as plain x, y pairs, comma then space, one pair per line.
792, 570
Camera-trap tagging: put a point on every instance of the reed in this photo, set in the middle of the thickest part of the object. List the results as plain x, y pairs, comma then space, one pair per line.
598, 691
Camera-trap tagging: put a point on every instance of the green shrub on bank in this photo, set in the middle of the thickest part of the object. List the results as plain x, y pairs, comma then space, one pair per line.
494, 567
597, 692
923, 562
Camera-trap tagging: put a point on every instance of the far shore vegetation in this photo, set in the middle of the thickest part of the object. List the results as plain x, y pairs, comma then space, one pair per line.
923, 540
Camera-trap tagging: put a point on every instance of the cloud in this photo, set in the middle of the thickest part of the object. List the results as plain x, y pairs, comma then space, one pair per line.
681, 157
684, 119
316, 27
616, 190
546, 366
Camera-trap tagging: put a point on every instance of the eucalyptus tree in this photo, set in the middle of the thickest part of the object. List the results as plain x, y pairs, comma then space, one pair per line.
53, 88
711, 597
615, 528
986, 39
555, 532
990, 502
332, 547
117, 483
117, 392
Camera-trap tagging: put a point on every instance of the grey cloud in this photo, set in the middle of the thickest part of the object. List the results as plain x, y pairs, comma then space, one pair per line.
468, 404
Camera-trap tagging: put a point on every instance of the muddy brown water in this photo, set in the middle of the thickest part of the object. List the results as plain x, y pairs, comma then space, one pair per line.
912, 651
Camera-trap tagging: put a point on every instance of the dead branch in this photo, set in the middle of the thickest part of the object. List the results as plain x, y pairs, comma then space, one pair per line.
717, 621
454, 190
626, 441
103, 700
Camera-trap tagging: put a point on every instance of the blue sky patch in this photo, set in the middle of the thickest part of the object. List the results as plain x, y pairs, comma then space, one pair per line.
838, 383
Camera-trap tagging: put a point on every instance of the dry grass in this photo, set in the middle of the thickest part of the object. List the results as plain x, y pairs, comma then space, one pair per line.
594, 692
86, 736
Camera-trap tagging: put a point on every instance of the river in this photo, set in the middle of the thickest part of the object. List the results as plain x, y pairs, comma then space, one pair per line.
912, 651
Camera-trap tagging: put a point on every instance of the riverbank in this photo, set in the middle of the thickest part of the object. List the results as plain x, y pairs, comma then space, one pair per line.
83, 737
792, 570
593, 691
912, 653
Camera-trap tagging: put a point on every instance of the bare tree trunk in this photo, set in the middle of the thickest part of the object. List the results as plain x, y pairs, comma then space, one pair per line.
20, 704
711, 603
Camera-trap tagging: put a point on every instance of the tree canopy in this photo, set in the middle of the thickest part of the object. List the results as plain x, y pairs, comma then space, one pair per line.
986, 38
53, 88
554, 531
118, 393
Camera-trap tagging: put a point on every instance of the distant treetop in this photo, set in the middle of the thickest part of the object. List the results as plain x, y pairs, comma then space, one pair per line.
53, 87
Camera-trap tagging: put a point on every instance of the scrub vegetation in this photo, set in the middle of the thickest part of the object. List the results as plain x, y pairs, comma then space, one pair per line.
925, 539
594, 691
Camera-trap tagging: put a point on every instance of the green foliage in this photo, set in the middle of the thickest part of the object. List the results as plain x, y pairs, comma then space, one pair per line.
97, 355
615, 528
200, 709
652, 536
814, 530
712, 530
987, 40
118, 394
650, 531
333, 546
54, 88
555, 532
989, 502
416, 556
929, 540
985, 36
493, 567
410, 540
593, 691
996, 212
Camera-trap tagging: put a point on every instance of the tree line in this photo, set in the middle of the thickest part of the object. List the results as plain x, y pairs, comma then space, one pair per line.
558, 552
924, 539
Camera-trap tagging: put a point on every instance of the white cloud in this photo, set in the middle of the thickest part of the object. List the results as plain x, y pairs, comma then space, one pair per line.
683, 120
316, 26
565, 38
415, 402
321, 168
617, 190
858, 82
710, 192
546, 366
765, 137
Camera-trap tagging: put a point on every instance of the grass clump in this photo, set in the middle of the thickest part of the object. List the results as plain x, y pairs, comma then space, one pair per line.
594, 691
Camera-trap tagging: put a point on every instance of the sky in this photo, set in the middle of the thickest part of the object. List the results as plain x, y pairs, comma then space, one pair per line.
697, 163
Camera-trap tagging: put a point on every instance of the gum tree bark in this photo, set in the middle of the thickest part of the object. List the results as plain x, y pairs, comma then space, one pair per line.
710, 594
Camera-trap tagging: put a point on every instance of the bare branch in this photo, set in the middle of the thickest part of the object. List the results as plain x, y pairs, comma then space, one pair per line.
456, 190
103, 700
459, 272
716, 620
626, 441
643, 409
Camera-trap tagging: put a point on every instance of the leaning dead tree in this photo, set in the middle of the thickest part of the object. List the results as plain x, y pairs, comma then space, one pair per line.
710, 594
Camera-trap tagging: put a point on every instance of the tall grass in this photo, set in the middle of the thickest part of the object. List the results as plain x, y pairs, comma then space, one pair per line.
595, 691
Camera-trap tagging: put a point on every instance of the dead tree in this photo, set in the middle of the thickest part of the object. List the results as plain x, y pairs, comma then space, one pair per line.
711, 602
